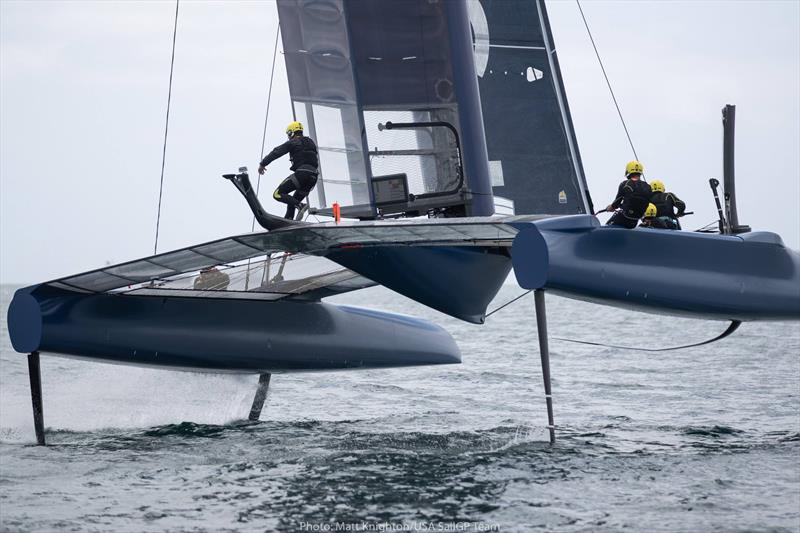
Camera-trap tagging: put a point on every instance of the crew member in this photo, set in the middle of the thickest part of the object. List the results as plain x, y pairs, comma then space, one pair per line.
666, 203
305, 162
212, 279
633, 196
650, 220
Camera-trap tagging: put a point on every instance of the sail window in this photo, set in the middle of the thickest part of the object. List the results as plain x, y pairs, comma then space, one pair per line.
426, 155
337, 131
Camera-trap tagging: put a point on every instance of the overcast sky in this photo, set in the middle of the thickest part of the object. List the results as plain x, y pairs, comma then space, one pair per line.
83, 94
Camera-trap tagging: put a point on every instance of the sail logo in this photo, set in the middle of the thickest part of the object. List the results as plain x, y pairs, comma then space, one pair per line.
562, 197
533, 74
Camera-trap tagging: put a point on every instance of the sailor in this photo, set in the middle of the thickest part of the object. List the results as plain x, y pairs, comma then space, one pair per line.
212, 279
633, 196
649, 220
305, 162
666, 203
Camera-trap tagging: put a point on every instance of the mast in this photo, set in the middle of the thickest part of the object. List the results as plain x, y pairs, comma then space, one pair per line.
728, 174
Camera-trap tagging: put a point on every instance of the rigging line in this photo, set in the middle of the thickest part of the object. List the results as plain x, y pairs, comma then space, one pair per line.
508, 303
619, 112
734, 325
266, 114
263, 142
166, 126
708, 226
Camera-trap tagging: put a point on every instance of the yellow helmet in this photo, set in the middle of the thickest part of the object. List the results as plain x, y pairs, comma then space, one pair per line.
634, 167
651, 211
293, 128
657, 186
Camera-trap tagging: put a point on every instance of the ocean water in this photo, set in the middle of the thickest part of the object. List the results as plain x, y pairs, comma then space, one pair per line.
701, 439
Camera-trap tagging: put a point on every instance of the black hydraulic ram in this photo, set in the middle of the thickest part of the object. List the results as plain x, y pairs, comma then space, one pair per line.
724, 229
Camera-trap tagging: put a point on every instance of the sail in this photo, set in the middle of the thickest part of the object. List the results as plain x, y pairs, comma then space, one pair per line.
533, 154
355, 67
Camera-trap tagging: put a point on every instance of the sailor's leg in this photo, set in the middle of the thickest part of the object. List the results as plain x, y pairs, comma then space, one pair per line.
615, 219
300, 196
307, 181
260, 397
544, 351
619, 219
282, 194
36, 396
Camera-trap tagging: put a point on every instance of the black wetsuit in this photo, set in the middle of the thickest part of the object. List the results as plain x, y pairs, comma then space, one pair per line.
666, 203
655, 223
305, 167
632, 197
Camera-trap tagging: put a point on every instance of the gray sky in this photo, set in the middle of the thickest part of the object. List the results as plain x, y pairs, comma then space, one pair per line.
83, 89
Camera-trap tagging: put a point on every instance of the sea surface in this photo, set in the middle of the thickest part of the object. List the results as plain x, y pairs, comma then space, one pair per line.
701, 439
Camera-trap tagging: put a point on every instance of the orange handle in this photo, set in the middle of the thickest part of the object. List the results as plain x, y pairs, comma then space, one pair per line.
337, 212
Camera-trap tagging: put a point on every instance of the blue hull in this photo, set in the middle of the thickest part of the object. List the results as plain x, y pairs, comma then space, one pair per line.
458, 281
222, 335
745, 277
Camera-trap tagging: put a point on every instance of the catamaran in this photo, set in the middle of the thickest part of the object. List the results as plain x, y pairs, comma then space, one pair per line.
406, 101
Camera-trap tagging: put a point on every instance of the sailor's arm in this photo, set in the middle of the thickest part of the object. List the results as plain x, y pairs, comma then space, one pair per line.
680, 204
620, 195
278, 151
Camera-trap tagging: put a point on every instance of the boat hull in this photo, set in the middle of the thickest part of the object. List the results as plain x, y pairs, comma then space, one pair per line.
459, 281
742, 277
221, 335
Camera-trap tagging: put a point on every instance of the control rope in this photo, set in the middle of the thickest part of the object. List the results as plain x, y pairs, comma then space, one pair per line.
619, 112
266, 114
166, 126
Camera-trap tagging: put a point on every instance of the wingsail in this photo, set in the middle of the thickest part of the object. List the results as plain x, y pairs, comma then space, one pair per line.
353, 67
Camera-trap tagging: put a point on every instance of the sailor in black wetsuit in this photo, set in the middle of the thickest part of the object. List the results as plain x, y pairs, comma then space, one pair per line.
666, 203
305, 168
633, 196
650, 221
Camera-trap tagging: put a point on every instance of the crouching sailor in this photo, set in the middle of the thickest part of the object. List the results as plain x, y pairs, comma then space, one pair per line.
666, 203
633, 197
651, 221
305, 162
211, 279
